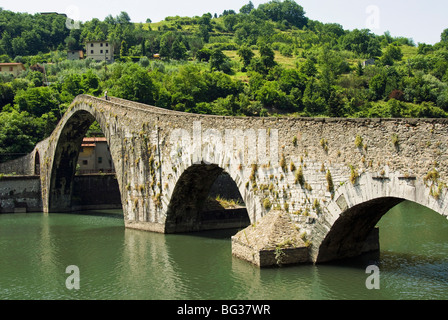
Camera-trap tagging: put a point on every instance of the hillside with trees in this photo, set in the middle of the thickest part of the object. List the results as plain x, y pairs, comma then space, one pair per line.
266, 61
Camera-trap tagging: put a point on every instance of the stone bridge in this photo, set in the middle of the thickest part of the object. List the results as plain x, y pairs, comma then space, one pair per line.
332, 178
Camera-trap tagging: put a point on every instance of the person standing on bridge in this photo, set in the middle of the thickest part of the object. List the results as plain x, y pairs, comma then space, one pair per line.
105, 95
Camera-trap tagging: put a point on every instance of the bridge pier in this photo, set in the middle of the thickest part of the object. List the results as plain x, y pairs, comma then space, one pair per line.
273, 241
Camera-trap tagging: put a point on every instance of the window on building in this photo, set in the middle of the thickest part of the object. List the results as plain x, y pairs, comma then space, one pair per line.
100, 159
0, 68
91, 45
107, 44
101, 44
91, 51
101, 51
85, 162
107, 51
11, 69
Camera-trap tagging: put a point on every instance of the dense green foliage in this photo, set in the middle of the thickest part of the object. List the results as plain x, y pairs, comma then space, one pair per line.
270, 60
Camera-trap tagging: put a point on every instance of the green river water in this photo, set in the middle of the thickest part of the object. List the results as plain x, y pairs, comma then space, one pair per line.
119, 263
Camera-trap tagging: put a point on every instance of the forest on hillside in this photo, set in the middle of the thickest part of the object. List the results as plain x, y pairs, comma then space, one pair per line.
266, 61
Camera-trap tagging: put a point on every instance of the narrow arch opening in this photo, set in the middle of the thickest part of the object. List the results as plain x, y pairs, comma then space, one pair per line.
205, 198
37, 164
75, 187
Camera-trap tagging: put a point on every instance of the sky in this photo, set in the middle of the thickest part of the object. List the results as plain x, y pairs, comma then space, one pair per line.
422, 21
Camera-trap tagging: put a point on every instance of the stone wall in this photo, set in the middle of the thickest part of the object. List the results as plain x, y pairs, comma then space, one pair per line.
91, 192
20, 194
96, 191
20, 166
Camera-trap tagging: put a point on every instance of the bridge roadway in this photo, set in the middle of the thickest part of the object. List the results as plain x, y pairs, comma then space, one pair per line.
334, 178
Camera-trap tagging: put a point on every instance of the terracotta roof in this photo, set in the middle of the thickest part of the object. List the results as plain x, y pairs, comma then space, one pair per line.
91, 141
10, 63
7, 64
94, 139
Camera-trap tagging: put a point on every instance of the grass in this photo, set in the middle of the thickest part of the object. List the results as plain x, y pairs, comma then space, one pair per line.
227, 203
408, 52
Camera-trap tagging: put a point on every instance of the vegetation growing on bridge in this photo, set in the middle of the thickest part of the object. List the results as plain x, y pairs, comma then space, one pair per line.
269, 60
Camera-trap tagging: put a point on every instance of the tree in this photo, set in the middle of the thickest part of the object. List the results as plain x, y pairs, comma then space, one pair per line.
246, 55
19, 47
312, 100
72, 85
247, 8
36, 101
230, 20
123, 49
205, 27
90, 81
362, 42
6, 94
6, 43
287, 10
204, 54
123, 18
308, 68
178, 50
219, 61
271, 96
392, 53
135, 84
444, 36
335, 104
377, 86
19, 132
266, 61
166, 44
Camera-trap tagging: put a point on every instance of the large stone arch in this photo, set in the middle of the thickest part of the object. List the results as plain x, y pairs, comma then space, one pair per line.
61, 157
192, 185
197, 163
349, 221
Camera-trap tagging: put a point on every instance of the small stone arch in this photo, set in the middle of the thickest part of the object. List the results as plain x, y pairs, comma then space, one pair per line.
350, 218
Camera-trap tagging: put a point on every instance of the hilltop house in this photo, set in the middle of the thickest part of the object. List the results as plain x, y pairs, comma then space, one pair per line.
14, 68
75, 54
100, 51
95, 156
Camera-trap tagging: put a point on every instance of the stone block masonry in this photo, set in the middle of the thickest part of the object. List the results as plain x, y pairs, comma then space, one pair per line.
274, 241
334, 177
20, 194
